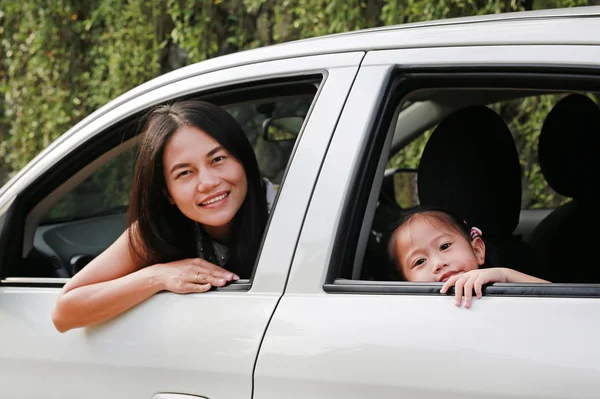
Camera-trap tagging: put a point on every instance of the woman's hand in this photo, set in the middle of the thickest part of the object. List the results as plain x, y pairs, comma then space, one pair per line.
191, 275
471, 281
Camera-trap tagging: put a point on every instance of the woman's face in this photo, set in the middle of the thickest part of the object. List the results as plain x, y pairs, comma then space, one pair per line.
203, 180
430, 251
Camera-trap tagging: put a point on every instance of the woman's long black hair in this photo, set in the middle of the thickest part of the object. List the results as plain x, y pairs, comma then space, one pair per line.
158, 231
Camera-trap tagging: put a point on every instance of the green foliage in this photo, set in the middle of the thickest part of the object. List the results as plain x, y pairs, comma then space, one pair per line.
63, 59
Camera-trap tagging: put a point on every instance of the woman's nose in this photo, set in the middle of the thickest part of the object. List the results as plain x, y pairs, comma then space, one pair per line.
207, 181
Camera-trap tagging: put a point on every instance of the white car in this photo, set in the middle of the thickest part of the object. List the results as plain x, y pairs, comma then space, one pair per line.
315, 320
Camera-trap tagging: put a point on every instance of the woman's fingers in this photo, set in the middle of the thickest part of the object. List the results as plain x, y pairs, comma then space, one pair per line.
191, 288
180, 276
204, 278
206, 267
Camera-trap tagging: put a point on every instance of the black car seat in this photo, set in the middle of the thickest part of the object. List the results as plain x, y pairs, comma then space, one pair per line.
568, 150
470, 166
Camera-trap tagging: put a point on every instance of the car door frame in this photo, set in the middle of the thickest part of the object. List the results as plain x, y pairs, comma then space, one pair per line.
162, 345
346, 340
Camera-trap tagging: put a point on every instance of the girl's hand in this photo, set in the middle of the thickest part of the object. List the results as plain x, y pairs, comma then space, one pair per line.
191, 275
473, 280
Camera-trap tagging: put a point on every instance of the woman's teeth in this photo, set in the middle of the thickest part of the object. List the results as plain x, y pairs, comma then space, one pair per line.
213, 200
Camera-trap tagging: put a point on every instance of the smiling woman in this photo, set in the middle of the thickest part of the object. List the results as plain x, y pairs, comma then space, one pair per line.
197, 212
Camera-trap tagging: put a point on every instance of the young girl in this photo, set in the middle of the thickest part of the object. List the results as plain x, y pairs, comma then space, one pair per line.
433, 245
197, 213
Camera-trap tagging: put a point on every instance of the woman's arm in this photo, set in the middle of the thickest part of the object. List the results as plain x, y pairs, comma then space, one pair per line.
114, 282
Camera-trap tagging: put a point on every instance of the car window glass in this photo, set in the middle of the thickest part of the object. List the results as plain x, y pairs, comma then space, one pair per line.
524, 117
272, 153
103, 193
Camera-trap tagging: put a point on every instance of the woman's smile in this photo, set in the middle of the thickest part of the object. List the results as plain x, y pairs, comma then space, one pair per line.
214, 200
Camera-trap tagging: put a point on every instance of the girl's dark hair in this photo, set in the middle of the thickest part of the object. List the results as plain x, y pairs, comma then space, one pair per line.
158, 231
448, 219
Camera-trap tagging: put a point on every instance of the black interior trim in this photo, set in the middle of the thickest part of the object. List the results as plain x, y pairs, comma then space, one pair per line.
304, 85
240, 285
33, 284
341, 286
11, 237
405, 80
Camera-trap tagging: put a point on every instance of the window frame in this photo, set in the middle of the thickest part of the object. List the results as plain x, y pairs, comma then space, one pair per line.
402, 82
116, 134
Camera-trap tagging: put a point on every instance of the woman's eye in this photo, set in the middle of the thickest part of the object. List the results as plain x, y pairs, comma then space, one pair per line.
183, 173
445, 246
218, 159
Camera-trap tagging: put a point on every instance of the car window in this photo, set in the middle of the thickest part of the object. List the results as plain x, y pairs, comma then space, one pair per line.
514, 215
91, 214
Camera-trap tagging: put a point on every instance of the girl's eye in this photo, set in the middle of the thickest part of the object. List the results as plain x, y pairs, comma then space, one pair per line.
445, 246
418, 262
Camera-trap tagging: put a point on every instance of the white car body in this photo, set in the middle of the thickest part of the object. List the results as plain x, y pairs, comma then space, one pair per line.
290, 332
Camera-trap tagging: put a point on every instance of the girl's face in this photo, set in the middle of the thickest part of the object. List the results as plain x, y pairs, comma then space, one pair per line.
428, 250
203, 180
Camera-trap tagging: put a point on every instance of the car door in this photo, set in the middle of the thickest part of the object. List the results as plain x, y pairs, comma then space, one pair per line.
201, 344
344, 338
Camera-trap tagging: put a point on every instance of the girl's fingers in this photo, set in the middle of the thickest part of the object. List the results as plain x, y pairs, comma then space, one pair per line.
479, 287
449, 284
458, 292
468, 292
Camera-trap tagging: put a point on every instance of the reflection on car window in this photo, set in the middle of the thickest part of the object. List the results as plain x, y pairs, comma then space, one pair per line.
524, 117
103, 193
272, 154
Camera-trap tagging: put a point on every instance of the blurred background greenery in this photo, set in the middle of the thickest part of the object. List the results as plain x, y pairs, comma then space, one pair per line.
63, 59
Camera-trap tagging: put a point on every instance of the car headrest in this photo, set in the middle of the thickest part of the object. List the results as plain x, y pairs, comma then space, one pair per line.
568, 147
470, 166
